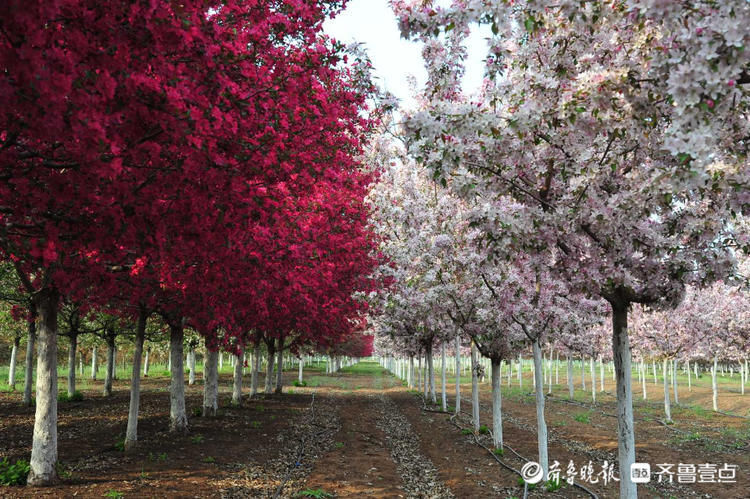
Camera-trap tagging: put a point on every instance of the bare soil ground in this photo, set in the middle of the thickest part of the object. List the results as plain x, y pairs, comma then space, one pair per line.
360, 433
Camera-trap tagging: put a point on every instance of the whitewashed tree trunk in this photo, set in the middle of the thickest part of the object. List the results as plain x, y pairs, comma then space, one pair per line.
211, 383
458, 374
109, 375
301, 366
80, 365
431, 374
72, 364
94, 365
520, 372
714, 386
583, 373
178, 421
268, 388
601, 374
191, 364
419, 373
557, 368
656, 378
690, 384
411, 372
571, 388
146, 364
625, 428
221, 361
44, 440
643, 380
593, 380
131, 434
255, 375
674, 382
28, 378
667, 407
497, 405
12, 369
237, 379
541, 424
444, 396
474, 388
549, 369
279, 367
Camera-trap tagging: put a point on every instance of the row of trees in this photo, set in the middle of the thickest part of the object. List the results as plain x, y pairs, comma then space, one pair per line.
600, 169
195, 161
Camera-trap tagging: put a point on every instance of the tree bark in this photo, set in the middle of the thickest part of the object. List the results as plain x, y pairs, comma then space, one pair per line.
444, 398
178, 421
497, 405
411, 372
571, 388
474, 388
674, 382
431, 374
541, 425
28, 378
146, 365
256, 371
279, 366
239, 360
300, 367
667, 407
44, 440
625, 429
12, 369
191, 364
109, 375
268, 389
714, 386
458, 373
131, 435
593, 379
601, 374
643, 380
72, 364
93, 363
211, 383
690, 384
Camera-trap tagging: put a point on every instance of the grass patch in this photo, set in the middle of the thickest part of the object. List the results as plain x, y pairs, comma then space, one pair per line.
499, 452
484, 430
583, 417
114, 494
299, 383
75, 397
120, 444
338, 445
255, 424
209, 460
317, 493
467, 431
14, 473
197, 439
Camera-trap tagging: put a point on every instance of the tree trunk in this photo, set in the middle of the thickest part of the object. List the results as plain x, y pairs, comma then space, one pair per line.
583, 373
44, 441
419, 373
714, 386
557, 368
541, 425
411, 372
601, 374
256, 371
268, 389
12, 370
300, 367
444, 398
667, 408
674, 382
458, 374
571, 388
474, 388
191, 364
211, 383
237, 380
497, 405
625, 429
520, 372
146, 363
72, 364
93, 363
178, 421
431, 374
643, 380
280, 367
131, 435
110, 367
28, 378
690, 383
593, 379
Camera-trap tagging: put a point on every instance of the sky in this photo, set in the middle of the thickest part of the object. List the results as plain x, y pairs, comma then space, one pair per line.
373, 23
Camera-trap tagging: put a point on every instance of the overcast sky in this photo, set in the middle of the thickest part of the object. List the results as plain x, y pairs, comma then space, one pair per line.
373, 23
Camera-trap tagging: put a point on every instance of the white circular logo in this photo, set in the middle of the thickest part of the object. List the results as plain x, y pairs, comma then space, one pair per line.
532, 472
